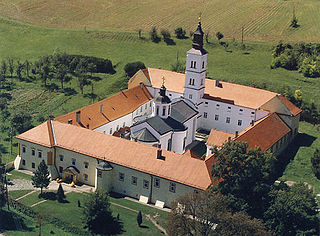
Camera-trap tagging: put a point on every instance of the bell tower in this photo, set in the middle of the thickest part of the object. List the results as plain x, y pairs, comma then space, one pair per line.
196, 68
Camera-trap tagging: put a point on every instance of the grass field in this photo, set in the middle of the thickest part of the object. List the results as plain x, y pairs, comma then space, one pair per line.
71, 214
263, 20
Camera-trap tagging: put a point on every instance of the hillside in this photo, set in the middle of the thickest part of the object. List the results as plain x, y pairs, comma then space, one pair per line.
263, 20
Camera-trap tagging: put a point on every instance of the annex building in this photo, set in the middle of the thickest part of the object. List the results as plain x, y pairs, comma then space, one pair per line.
136, 142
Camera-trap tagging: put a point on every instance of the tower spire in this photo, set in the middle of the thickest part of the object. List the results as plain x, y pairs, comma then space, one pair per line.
197, 42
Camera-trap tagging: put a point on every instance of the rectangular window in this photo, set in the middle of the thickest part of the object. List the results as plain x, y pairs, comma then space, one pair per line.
190, 82
99, 173
86, 165
202, 64
205, 115
121, 176
239, 122
157, 183
33, 152
146, 106
163, 111
216, 117
110, 131
134, 180
85, 177
61, 157
39, 154
172, 187
24, 162
190, 96
201, 82
157, 110
217, 106
228, 120
229, 109
124, 124
33, 165
23, 149
145, 184
73, 161
60, 169
141, 109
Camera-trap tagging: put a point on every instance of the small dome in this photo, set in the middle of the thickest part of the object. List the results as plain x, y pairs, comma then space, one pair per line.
162, 97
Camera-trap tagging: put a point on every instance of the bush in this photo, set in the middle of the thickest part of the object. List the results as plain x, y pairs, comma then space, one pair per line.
180, 33
310, 67
154, 35
315, 160
133, 67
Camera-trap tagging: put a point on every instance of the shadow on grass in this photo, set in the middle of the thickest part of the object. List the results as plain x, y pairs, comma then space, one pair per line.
144, 226
48, 196
301, 140
12, 221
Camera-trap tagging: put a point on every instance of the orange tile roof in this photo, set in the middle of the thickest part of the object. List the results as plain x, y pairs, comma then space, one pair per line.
232, 93
291, 107
265, 132
114, 107
176, 167
218, 137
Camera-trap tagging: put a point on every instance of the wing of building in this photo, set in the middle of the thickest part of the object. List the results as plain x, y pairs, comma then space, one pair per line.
136, 142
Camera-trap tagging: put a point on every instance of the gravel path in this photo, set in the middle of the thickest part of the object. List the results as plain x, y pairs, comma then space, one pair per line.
20, 184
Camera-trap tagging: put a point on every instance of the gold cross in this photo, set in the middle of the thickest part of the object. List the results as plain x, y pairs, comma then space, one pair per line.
200, 16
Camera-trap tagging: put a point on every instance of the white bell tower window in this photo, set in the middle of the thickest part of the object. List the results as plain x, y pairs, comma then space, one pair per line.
202, 64
163, 111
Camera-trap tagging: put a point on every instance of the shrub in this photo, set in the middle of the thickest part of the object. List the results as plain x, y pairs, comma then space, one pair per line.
180, 33
315, 160
154, 35
139, 218
133, 67
60, 194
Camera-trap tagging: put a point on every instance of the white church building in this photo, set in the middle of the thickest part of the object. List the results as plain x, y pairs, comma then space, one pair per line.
135, 142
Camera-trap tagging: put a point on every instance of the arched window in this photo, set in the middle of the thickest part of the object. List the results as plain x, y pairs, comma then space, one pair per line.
163, 111
157, 110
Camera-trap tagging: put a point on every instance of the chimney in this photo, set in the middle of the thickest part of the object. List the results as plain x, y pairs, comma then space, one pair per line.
70, 121
78, 117
159, 154
101, 108
51, 117
229, 138
217, 83
237, 134
252, 122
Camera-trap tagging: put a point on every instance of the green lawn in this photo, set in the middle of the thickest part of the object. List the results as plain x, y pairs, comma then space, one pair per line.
70, 213
18, 193
18, 175
299, 168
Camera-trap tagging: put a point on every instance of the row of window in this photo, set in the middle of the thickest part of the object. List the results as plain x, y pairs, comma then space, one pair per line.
156, 183
145, 107
163, 110
194, 64
191, 81
33, 165
216, 118
33, 151
73, 161
229, 108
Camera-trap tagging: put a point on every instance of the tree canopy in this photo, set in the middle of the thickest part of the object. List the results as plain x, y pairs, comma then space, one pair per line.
315, 161
97, 215
41, 178
206, 213
133, 67
243, 175
292, 211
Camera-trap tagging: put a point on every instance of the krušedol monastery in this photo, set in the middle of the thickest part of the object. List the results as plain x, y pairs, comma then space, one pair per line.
136, 142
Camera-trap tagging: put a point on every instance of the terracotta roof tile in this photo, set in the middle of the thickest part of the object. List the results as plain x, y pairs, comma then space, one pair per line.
113, 107
218, 137
176, 167
228, 92
265, 133
291, 107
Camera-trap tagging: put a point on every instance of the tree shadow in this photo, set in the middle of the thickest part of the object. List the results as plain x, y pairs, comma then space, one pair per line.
287, 155
169, 41
69, 91
52, 87
12, 221
6, 95
48, 196
144, 226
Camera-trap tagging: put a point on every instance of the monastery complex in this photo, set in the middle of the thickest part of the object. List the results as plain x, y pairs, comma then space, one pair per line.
136, 142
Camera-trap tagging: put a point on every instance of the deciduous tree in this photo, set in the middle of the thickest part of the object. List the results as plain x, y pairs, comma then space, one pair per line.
293, 211
180, 33
97, 215
41, 178
219, 35
133, 67
243, 175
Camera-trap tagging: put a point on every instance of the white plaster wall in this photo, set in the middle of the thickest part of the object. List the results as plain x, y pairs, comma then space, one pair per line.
29, 159
213, 108
191, 130
177, 141
155, 92
126, 120
260, 114
80, 159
